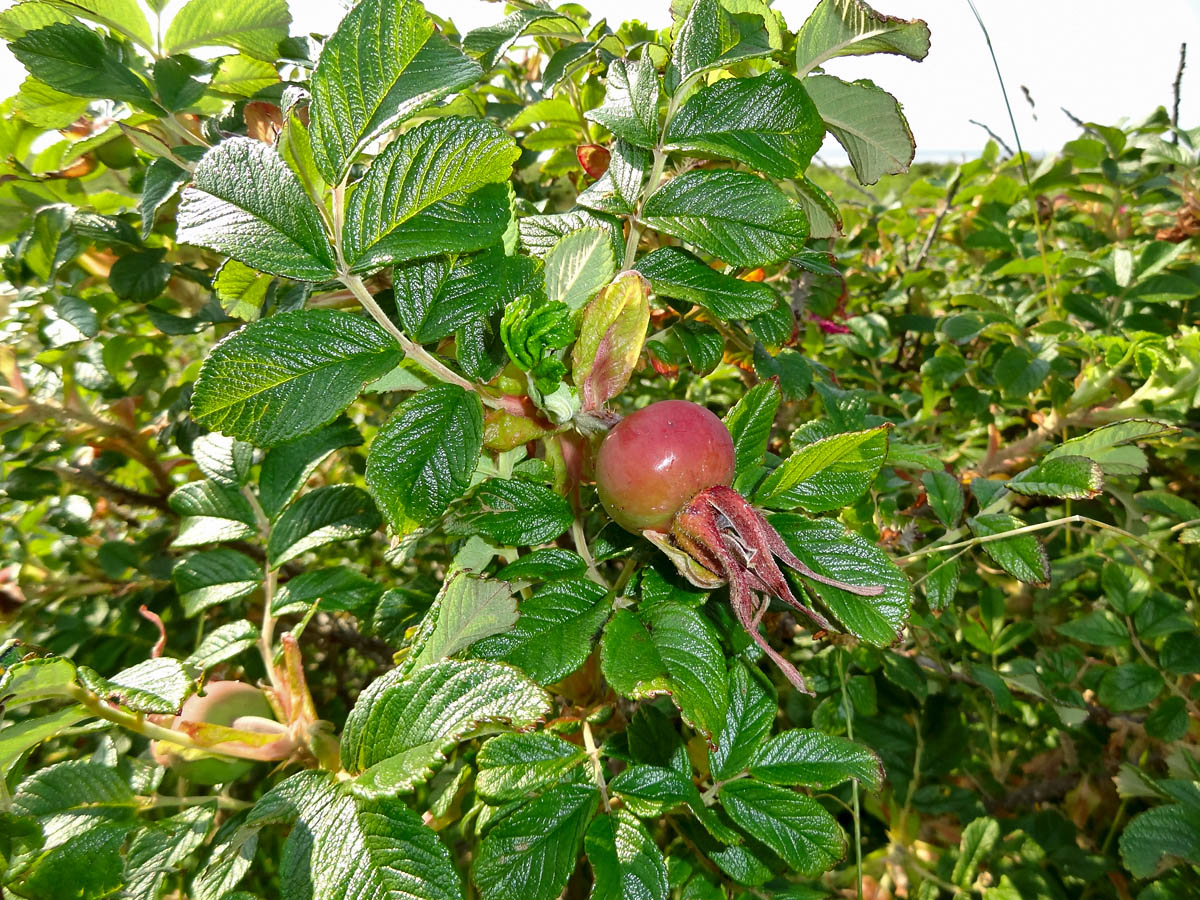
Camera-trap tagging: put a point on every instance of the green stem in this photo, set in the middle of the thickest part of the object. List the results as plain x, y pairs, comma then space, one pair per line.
230, 803
411, 348
848, 707
1051, 298
135, 722
635, 227
593, 752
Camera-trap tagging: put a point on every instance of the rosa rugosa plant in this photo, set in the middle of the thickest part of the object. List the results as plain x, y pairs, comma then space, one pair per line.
323, 366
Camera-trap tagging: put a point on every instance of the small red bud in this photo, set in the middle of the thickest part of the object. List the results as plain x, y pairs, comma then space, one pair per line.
593, 158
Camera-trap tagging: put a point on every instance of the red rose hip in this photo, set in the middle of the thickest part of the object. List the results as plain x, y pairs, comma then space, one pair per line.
657, 459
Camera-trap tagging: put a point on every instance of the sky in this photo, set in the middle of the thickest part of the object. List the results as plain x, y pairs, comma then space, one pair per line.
1092, 57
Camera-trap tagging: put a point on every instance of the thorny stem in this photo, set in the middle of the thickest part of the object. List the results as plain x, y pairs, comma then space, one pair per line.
593, 752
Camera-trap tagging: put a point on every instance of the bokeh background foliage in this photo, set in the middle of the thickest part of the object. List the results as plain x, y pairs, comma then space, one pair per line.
307, 343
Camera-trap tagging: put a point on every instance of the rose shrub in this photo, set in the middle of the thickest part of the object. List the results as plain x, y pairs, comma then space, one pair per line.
323, 366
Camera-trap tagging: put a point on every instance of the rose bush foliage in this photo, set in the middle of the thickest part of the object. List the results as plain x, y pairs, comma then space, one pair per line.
309, 346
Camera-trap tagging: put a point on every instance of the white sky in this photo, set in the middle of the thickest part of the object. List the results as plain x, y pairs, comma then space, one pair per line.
1102, 59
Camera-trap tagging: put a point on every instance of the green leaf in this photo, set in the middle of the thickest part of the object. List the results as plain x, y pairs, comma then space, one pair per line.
1104, 445
554, 630
424, 455
544, 564
224, 459
618, 189
414, 199
512, 766
436, 296
513, 513
69, 796
531, 329
1021, 556
339, 512
748, 720
154, 686
282, 377
977, 842
612, 333
140, 276
30, 680
1171, 831
829, 473
686, 645
626, 863
1129, 686
253, 26
231, 857
348, 846
711, 36
287, 466
666, 789
630, 107
163, 179
796, 827
158, 850
1099, 627
247, 203
241, 289
530, 854
808, 757
492, 41
41, 105
826, 547
1019, 373
540, 233
735, 216
211, 513
215, 577
76, 61
339, 589
944, 494
242, 76
223, 644
86, 866
27, 16
749, 423
51, 242
674, 272
466, 610
121, 16
431, 708
578, 266
628, 658
851, 28
382, 64
867, 122
767, 122
1074, 477
17, 738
